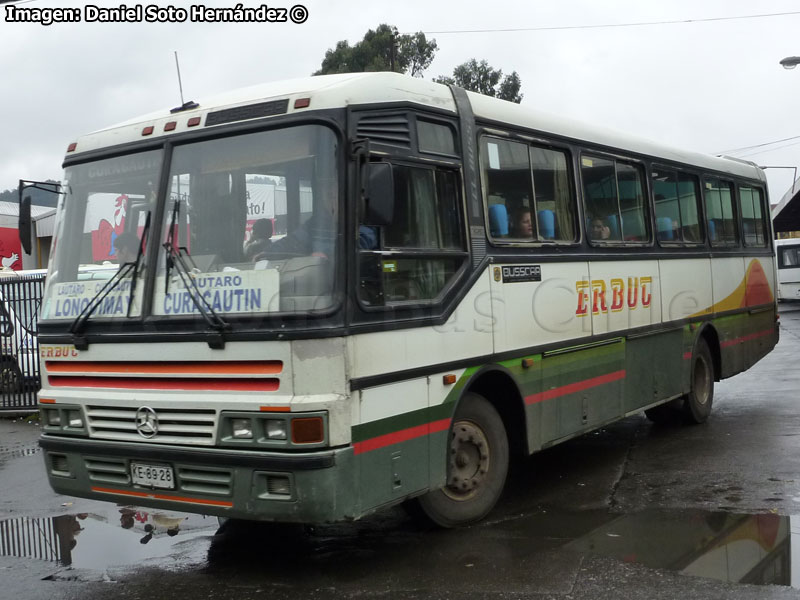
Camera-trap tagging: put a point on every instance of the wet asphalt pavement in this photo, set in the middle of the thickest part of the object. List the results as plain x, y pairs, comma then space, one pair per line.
632, 511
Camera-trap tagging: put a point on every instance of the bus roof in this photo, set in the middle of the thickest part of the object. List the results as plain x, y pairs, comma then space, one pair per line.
353, 89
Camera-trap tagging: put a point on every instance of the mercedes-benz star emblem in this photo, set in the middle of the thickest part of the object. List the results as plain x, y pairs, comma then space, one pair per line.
146, 422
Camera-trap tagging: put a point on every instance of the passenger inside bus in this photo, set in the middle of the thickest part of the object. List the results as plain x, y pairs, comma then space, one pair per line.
521, 224
259, 241
599, 229
126, 246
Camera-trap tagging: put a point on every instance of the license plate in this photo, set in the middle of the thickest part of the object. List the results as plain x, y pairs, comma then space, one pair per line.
152, 476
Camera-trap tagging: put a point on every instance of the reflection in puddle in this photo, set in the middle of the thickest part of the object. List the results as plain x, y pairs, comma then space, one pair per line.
728, 547
736, 548
755, 549
92, 541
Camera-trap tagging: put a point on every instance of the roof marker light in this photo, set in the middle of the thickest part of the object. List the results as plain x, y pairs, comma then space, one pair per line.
72, 146
194, 121
302, 102
148, 130
170, 126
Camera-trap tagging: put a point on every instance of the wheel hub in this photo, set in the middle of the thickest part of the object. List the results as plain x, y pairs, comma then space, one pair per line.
469, 461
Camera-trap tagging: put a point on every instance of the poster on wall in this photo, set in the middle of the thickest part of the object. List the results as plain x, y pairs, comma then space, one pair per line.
10, 249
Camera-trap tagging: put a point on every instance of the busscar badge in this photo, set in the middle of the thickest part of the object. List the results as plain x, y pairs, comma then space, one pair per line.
519, 273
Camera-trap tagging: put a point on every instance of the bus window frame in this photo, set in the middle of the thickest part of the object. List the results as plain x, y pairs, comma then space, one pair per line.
545, 144
442, 297
435, 120
737, 243
700, 206
764, 211
243, 324
649, 243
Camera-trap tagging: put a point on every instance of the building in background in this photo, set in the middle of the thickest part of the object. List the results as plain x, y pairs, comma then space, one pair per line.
11, 255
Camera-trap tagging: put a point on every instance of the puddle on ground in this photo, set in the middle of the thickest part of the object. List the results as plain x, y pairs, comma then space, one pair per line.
743, 548
735, 548
125, 536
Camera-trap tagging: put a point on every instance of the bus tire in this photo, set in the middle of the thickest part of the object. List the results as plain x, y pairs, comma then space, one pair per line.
665, 414
10, 376
697, 403
477, 465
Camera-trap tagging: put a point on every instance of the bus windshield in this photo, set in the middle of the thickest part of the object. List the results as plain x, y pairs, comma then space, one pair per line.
249, 226
101, 229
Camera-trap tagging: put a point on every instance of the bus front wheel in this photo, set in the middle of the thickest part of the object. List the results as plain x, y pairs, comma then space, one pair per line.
477, 464
697, 403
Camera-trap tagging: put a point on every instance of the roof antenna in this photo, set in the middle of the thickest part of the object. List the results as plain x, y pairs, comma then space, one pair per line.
184, 105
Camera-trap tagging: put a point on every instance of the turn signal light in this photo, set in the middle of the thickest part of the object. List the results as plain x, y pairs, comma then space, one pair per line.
308, 431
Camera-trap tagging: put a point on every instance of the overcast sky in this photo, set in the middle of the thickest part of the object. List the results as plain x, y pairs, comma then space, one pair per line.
710, 86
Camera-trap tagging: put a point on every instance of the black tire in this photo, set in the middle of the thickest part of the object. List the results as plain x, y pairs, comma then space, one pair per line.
697, 403
10, 377
477, 466
667, 413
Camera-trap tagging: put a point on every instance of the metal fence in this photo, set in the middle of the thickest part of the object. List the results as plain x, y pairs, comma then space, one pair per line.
20, 299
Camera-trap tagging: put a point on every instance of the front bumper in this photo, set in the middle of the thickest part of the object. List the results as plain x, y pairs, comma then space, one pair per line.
308, 487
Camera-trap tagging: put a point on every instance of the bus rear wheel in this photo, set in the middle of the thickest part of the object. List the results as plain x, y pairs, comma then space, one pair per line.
697, 403
477, 465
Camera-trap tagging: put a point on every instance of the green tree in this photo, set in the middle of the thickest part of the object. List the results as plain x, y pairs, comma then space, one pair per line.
382, 49
482, 78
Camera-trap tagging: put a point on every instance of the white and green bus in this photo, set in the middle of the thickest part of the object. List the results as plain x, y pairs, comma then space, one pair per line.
317, 298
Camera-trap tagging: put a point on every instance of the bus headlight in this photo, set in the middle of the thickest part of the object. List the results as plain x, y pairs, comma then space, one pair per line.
276, 429
53, 418
74, 419
242, 429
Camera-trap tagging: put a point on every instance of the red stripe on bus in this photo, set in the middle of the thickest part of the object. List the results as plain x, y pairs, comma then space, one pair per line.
578, 386
403, 435
194, 384
746, 338
243, 367
163, 497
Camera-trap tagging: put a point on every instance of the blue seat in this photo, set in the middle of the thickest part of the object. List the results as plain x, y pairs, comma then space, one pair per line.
547, 224
664, 226
498, 220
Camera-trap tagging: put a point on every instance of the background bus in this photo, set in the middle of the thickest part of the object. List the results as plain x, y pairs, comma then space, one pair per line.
788, 257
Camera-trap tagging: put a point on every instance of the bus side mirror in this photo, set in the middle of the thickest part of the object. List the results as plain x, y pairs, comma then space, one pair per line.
379, 195
25, 224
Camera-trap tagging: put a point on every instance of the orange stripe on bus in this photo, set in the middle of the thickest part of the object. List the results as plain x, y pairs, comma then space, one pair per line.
275, 409
46, 401
255, 367
163, 497
578, 386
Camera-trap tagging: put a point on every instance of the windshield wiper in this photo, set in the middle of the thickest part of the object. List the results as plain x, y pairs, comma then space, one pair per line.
126, 268
139, 255
80, 321
176, 257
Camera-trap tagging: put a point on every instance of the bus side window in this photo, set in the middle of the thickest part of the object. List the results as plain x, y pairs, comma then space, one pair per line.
720, 216
427, 219
677, 198
753, 227
509, 189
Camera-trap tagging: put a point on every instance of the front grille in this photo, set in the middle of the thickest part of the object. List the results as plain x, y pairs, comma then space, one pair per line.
175, 425
107, 470
200, 480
